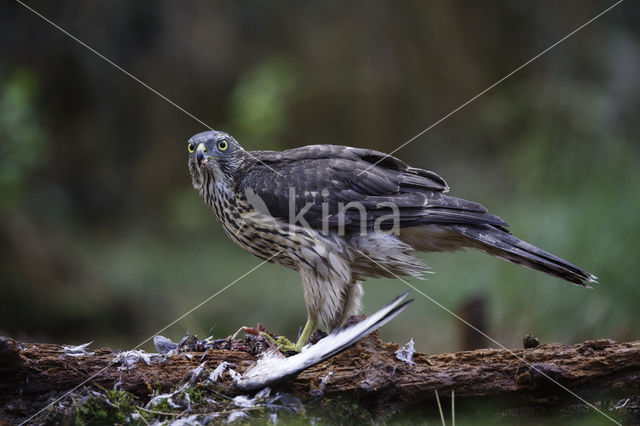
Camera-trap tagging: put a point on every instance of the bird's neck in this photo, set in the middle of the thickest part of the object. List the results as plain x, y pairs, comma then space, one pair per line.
217, 192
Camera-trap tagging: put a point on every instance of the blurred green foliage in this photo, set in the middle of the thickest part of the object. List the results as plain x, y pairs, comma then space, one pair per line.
259, 101
104, 239
24, 145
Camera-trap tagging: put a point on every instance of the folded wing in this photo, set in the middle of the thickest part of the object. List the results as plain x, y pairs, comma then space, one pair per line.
330, 185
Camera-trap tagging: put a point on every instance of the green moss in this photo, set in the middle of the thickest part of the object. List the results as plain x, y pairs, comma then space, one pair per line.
162, 406
115, 406
195, 394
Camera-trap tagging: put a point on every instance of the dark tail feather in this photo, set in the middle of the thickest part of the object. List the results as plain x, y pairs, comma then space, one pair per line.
504, 245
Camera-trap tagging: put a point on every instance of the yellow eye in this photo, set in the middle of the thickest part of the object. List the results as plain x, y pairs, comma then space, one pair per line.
191, 148
223, 144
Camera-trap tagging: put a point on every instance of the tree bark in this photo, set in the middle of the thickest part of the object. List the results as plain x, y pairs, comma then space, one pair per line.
369, 372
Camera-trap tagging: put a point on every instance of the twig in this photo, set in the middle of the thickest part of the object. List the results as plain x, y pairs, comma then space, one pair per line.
453, 407
440, 408
161, 413
98, 385
142, 417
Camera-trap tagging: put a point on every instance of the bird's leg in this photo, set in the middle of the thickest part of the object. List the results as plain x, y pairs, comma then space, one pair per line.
306, 333
285, 345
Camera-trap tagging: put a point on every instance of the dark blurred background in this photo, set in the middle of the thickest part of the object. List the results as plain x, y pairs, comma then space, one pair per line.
103, 238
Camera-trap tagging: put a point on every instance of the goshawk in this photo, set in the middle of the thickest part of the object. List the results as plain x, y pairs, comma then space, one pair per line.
339, 214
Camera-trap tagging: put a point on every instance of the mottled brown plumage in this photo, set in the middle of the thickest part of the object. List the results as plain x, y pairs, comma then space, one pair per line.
339, 214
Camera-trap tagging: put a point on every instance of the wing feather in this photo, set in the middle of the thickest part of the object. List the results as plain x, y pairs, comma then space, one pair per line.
334, 176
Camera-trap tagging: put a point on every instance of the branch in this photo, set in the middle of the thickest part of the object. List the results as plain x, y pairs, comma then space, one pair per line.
369, 372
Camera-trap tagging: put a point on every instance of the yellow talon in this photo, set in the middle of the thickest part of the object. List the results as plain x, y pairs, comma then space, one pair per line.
284, 344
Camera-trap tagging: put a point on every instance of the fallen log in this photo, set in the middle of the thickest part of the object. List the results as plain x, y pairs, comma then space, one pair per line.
549, 375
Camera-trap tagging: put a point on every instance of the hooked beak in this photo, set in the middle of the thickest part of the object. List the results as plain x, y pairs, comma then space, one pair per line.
200, 157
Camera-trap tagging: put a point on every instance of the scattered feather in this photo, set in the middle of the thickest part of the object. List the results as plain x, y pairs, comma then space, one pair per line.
234, 374
204, 355
130, 358
406, 353
196, 372
621, 404
79, 350
216, 374
118, 384
165, 397
236, 415
191, 420
261, 398
164, 345
323, 381
244, 401
263, 394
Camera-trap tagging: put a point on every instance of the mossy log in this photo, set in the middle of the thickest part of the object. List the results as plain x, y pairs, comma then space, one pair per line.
370, 372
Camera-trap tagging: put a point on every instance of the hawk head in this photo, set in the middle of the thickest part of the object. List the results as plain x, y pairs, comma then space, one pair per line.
213, 153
